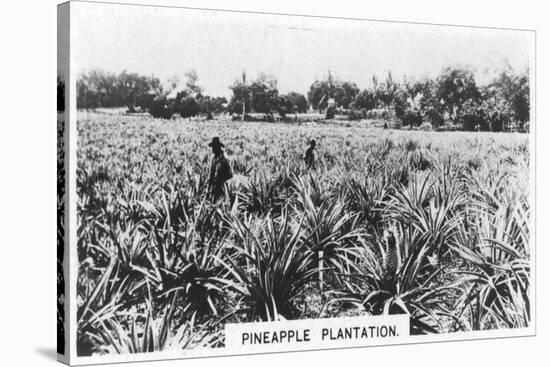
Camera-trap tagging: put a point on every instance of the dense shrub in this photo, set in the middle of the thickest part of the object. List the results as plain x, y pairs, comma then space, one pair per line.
330, 112
486, 115
411, 118
355, 114
185, 104
188, 107
379, 114
284, 106
145, 101
161, 108
298, 101
426, 126
433, 115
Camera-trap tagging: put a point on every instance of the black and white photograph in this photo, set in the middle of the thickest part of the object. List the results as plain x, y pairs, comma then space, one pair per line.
266, 169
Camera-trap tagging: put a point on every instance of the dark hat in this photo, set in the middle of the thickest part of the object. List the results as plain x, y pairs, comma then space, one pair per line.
216, 142
312, 142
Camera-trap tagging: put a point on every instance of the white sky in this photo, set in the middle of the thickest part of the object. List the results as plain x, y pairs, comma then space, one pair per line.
297, 50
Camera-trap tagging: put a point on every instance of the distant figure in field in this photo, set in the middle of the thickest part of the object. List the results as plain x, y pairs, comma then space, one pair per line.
309, 157
220, 171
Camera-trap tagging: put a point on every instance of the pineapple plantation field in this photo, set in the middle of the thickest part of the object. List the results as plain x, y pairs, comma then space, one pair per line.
163, 267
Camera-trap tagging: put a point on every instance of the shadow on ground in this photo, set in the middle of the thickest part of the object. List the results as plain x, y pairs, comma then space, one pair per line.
49, 353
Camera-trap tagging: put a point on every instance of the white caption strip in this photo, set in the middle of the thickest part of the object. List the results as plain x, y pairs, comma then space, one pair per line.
316, 334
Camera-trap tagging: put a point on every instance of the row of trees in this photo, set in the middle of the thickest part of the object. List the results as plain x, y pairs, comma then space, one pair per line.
137, 92
453, 97
98, 88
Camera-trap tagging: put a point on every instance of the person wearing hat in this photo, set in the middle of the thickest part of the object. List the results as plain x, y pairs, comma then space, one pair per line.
309, 157
220, 171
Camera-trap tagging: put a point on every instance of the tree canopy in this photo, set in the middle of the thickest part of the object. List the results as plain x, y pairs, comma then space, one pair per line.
452, 97
342, 92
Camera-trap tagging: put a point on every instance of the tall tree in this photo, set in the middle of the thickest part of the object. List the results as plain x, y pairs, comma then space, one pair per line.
513, 88
385, 92
365, 100
429, 103
261, 95
321, 91
241, 96
264, 95
455, 86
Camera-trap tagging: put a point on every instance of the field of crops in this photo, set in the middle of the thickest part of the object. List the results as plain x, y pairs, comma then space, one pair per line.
164, 267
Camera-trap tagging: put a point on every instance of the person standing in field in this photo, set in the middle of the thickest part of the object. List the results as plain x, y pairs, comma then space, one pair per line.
220, 170
309, 157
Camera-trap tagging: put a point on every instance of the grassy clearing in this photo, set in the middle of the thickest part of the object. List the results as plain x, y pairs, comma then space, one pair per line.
161, 267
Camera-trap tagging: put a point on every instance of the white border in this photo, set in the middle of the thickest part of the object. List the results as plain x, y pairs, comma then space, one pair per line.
219, 352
